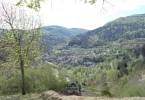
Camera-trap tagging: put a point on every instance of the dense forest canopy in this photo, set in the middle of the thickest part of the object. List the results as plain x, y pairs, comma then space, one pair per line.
125, 28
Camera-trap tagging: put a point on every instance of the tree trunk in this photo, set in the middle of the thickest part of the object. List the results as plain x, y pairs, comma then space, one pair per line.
22, 73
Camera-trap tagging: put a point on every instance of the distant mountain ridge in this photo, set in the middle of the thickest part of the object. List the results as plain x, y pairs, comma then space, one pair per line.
124, 28
54, 35
66, 31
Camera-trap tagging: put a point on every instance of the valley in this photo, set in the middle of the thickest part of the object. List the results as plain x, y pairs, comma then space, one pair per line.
109, 59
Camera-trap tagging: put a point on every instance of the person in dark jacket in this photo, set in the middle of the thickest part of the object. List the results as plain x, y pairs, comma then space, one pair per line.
79, 87
73, 85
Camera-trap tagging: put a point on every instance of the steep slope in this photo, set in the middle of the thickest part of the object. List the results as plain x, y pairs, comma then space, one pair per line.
54, 35
118, 41
124, 28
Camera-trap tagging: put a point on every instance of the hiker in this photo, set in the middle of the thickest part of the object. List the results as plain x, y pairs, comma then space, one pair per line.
73, 84
84, 85
68, 85
79, 87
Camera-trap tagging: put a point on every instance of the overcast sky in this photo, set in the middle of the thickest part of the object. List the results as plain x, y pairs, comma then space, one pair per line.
73, 13
76, 14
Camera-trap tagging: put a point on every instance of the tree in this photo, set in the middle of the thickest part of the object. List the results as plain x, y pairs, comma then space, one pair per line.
20, 38
35, 4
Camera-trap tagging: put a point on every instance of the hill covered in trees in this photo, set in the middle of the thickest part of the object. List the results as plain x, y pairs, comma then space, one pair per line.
54, 35
109, 59
118, 39
121, 29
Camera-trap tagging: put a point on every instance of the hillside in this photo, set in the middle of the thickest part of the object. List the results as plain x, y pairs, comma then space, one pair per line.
105, 44
107, 61
108, 58
121, 29
54, 35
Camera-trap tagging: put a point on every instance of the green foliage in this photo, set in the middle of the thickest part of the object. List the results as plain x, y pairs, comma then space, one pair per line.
106, 93
35, 4
10, 85
121, 29
21, 35
132, 91
51, 79
133, 87
112, 75
36, 80
113, 51
56, 35
123, 80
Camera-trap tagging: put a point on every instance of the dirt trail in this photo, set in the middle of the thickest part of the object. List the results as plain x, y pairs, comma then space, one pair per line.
87, 96
77, 98
98, 98
50, 95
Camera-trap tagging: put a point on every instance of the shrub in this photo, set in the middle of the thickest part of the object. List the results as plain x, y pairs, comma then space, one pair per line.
36, 80
132, 91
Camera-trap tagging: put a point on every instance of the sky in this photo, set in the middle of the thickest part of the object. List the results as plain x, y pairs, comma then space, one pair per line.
76, 14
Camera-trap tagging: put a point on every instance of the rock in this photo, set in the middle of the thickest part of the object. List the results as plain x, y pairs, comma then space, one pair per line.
50, 95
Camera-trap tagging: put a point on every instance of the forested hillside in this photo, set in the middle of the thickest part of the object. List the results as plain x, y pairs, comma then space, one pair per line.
110, 59
54, 35
112, 41
121, 29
